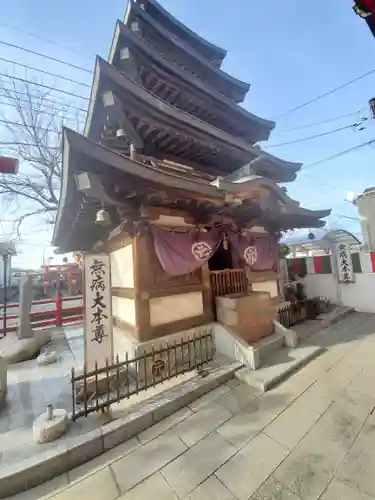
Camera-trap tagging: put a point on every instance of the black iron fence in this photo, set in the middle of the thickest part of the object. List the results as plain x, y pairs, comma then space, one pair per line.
292, 314
300, 310
98, 389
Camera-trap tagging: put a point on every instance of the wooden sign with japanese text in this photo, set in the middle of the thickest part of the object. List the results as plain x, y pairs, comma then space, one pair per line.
98, 311
344, 264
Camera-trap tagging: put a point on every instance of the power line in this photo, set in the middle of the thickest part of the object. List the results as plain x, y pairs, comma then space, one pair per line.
73, 51
45, 56
43, 86
42, 98
323, 122
26, 101
311, 137
7, 122
41, 111
71, 80
337, 155
28, 145
325, 94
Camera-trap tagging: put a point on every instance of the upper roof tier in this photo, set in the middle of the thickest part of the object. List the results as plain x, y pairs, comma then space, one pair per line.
188, 58
209, 51
132, 55
121, 111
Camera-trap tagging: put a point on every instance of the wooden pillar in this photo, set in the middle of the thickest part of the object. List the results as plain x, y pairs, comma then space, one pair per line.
142, 271
208, 304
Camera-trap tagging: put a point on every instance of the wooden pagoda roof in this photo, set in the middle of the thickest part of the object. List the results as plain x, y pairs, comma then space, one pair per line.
132, 190
211, 52
268, 166
142, 63
164, 131
189, 59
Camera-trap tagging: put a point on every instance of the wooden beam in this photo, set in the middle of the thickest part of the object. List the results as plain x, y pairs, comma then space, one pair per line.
178, 326
123, 292
142, 272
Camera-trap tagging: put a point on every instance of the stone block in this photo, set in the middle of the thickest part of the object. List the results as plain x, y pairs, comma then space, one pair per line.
42, 337
84, 447
120, 430
290, 335
21, 350
47, 429
47, 358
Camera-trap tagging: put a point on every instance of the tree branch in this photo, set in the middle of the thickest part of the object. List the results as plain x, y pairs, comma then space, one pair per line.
32, 119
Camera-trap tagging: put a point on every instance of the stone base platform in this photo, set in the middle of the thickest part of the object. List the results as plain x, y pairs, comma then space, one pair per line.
44, 462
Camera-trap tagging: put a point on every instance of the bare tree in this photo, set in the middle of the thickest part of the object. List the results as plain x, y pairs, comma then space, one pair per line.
33, 126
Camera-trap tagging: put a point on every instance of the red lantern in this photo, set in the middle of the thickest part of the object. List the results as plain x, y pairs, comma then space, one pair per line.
364, 8
8, 165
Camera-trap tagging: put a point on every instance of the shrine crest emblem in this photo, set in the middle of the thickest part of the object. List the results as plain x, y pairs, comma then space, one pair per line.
201, 250
250, 255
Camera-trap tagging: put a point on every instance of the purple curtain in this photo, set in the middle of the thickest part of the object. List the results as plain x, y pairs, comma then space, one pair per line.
259, 253
182, 253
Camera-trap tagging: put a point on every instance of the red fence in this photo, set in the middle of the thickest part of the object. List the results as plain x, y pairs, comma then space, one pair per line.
46, 312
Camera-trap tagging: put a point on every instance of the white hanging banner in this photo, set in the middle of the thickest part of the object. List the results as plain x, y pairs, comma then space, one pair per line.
344, 264
98, 311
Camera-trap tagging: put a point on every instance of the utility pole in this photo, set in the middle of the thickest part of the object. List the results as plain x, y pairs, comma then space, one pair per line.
8, 166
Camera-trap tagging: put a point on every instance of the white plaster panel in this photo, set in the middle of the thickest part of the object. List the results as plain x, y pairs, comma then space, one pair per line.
177, 337
122, 273
321, 285
173, 308
124, 309
123, 343
359, 294
266, 286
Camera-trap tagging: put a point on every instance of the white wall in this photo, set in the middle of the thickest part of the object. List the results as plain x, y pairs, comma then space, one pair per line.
321, 285
122, 272
124, 309
359, 294
175, 307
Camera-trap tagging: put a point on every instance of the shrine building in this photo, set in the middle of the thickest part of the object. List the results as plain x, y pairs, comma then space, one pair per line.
154, 182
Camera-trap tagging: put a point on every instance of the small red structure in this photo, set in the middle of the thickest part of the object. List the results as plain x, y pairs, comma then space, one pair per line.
55, 275
9, 165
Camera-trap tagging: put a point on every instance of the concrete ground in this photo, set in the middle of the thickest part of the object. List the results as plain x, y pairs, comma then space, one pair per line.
32, 387
313, 437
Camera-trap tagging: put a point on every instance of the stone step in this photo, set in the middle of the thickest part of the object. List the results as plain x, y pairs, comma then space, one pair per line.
265, 347
278, 366
308, 328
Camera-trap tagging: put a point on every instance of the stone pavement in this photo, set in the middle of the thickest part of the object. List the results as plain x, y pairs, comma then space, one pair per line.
310, 438
31, 387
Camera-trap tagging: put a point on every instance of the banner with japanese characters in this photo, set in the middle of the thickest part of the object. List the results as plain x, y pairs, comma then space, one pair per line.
98, 311
345, 264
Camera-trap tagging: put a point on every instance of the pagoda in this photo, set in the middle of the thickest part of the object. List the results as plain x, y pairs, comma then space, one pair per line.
152, 183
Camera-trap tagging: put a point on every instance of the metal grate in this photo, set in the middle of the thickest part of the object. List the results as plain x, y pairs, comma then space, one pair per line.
293, 314
98, 389
228, 282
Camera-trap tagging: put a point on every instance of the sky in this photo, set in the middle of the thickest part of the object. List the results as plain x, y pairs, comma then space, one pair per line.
290, 51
